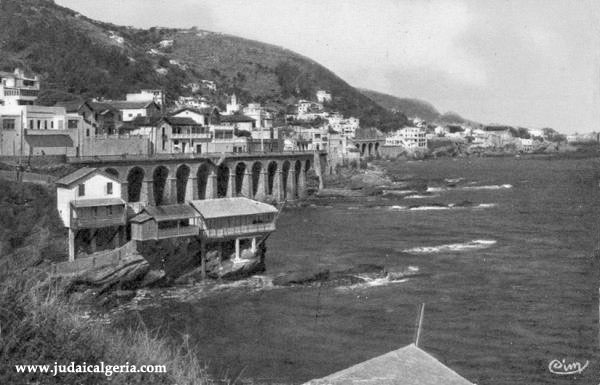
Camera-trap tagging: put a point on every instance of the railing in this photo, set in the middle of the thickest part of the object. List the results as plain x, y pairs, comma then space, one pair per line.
98, 221
193, 135
20, 92
173, 232
235, 231
178, 156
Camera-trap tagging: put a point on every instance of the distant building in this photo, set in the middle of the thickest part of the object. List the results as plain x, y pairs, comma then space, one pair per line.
129, 110
262, 118
323, 96
233, 106
17, 88
156, 96
408, 137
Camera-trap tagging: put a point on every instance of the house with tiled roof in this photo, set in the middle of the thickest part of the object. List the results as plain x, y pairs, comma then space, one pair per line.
90, 206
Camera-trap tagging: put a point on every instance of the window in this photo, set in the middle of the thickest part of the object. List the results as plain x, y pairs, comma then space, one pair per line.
8, 124
45, 124
39, 124
109, 210
72, 123
87, 132
95, 211
52, 124
81, 190
109, 188
31, 126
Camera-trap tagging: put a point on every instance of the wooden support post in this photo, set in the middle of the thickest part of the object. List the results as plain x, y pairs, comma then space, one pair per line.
71, 245
253, 244
237, 249
93, 241
203, 258
117, 237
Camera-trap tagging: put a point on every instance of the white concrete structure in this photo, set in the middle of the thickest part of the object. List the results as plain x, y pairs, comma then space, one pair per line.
408, 137
155, 96
263, 118
233, 106
323, 96
89, 199
18, 89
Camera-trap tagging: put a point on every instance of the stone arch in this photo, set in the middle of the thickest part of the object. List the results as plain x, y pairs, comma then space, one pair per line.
203, 175
377, 148
285, 171
297, 171
307, 166
135, 179
159, 178
271, 173
362, 150
256, 170
222, 180
182, 176
240, 173
112, 171
370, 147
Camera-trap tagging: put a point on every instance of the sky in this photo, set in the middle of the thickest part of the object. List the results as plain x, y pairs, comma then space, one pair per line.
531, 63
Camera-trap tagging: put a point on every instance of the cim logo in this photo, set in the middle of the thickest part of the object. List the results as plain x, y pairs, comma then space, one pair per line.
563, 368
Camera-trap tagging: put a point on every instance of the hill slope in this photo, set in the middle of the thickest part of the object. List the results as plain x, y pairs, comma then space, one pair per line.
77, 56
415, 108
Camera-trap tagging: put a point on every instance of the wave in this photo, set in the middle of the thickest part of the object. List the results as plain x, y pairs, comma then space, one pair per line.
476, 244
429, 208
488, 187
470, 188
369, 282
417, 196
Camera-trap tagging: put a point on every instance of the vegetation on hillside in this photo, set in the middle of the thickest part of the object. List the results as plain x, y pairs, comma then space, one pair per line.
79, 58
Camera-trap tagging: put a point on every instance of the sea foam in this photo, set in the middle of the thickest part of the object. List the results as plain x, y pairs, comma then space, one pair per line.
476, 244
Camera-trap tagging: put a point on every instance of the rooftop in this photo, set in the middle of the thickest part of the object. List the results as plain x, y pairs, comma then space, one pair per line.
97, 202
236, 119
52, 140
128, 105
166, 213
80, 174
231, 207
180, 121
409, 365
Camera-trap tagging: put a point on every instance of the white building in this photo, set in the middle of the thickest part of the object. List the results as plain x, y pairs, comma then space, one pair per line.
155, 96
346, 127
90, 199
263, 118
18, 89
408, 137
323, 96
233, 106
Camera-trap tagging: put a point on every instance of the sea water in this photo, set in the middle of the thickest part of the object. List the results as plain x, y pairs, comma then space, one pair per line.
509, 282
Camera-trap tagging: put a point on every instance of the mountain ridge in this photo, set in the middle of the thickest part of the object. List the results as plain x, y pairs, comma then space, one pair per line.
78, 57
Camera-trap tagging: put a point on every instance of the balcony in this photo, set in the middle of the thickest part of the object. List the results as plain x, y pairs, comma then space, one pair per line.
192, 135
174, 232
20, 92
99, 221
238, 231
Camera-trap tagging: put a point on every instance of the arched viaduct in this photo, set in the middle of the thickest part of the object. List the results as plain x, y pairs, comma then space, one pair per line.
173, 179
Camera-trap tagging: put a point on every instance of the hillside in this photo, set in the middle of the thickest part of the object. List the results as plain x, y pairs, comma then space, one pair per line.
415, 108
80, 57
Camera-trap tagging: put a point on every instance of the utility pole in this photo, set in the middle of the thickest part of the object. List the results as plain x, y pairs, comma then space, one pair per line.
419, 324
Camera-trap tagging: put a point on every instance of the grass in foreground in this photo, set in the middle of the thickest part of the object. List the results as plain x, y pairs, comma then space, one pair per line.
37, 326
